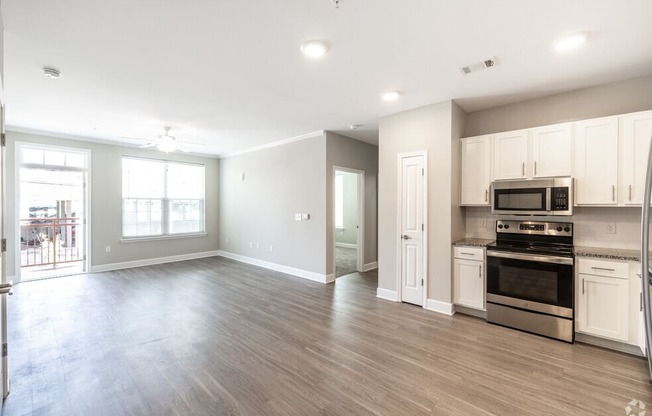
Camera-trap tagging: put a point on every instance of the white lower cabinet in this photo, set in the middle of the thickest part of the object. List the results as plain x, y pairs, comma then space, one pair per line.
468, 273
608, 300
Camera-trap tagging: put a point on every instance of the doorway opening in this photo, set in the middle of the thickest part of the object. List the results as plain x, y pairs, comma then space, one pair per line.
52, 209
348, 198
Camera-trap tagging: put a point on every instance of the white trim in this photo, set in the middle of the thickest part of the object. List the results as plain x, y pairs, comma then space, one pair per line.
370, 266
127, 240
12, 279
315, 277
150, 262
275, 144
346, 245
424, 242
387, 294
330, 278
440, 307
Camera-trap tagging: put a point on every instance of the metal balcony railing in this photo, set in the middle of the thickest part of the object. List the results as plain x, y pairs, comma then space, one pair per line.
50, 241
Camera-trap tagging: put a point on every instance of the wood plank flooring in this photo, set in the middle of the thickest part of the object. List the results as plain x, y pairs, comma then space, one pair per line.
217, 337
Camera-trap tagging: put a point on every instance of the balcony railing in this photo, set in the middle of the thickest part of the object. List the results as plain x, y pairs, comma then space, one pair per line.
50, 241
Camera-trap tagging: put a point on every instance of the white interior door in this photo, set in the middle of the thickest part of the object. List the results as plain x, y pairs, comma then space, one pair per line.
5, 287
411, 228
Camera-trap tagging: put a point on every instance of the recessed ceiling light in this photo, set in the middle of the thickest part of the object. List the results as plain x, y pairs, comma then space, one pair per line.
314, 48
391, 95
51, 72
571, 41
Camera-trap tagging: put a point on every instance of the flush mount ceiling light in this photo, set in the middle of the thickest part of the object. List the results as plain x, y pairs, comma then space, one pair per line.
314, 48
51, 72
571, 42
391, 95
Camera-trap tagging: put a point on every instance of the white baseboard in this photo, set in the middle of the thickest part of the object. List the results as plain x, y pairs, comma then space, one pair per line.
150, 262
316, 277
370, 266
441, 307
346, 245
387, 294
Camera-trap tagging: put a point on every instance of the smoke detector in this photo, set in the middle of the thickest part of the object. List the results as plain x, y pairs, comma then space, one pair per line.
478, 66
51, 72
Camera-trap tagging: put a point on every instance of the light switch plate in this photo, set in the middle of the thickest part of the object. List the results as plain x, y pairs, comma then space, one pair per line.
305, 216
297, 217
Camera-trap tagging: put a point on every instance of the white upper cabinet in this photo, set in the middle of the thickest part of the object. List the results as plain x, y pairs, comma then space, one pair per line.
551, 151
596, 161
510, 155
636, 131
476, 170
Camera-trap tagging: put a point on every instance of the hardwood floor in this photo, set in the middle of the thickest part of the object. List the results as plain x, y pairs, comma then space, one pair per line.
216, 337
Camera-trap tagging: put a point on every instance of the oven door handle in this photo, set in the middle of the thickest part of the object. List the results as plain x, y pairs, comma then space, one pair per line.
530, 257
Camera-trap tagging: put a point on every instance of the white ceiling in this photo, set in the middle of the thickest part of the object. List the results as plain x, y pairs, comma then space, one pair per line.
229, 74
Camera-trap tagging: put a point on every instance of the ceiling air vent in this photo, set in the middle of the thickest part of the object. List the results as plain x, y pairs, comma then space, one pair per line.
478, 66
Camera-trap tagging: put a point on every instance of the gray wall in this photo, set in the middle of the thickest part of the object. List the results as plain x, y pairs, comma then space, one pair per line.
106, 203
349, 234
603, 100
429, 128
353, 154
259, 210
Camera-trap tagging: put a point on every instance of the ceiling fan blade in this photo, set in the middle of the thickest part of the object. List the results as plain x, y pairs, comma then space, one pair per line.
147, 145
135, 138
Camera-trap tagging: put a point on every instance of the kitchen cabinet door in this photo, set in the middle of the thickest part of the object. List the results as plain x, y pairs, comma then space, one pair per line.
476, 170
510, 155
603, 307
551, 151
596, 161
468, 283
636, 136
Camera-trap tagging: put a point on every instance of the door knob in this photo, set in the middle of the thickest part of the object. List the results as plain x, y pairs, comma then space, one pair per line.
405, 237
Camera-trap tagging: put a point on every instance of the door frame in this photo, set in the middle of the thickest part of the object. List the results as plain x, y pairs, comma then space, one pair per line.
87, 205
361, 217
399, 213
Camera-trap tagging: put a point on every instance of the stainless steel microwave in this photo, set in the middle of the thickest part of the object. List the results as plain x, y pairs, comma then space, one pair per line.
553, 196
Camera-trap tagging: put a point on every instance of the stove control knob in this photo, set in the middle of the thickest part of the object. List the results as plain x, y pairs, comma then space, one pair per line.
559, 229
567, 229
500, 226
506, 226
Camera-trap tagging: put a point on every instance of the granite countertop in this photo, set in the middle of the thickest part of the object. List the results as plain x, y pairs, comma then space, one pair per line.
473, 242
608, 253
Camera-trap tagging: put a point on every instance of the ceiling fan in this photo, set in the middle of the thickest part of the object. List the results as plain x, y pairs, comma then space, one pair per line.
165, 142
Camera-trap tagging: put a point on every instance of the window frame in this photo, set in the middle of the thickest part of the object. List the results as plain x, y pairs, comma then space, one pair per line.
166, 202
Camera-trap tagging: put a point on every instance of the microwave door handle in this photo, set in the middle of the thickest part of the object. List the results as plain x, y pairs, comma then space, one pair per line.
548, 202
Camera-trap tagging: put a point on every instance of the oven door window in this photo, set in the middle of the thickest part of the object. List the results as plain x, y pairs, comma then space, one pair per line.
547, 283
531, 199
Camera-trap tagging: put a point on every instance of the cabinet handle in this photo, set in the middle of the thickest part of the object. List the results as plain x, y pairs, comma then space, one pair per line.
523, 169
603, 268
640, 301
582, 285
630, 193
480, 273
467, 254
486, 195
535, 168
613, 192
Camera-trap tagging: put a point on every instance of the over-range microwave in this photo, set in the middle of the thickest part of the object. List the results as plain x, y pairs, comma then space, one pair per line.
552, 196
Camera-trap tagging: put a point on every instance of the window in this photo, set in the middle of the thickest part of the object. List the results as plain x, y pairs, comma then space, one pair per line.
339, 200
161, 198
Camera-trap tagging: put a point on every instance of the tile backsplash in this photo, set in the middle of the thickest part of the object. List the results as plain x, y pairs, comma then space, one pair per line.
591, 225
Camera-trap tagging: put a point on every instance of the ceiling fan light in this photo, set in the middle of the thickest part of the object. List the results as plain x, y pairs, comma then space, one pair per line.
167, 147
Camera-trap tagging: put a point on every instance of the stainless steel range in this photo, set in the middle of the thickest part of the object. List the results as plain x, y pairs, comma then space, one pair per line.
530, 277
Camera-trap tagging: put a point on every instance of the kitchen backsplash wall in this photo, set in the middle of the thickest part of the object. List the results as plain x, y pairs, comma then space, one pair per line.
591, 225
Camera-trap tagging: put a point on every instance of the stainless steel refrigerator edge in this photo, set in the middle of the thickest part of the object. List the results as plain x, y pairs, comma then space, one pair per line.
646, 279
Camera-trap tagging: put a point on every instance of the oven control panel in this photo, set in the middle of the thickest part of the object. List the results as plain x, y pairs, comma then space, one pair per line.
535, 227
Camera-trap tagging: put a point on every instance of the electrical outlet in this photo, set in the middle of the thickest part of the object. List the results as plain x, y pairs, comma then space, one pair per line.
251, 244
610, 228
108, 249
271, 248
483, 223
227, 240
297, 217
305, 216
